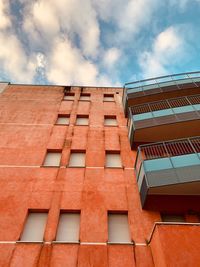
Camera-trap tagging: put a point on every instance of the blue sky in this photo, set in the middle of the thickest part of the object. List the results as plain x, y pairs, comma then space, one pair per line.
97, 42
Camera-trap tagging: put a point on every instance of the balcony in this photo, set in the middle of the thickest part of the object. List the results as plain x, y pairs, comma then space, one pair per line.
163, 120
159, 88
168, 175
174, 244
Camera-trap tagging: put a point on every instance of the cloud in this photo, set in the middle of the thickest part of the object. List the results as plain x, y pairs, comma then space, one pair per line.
67, 65
14, 60
137, 14
182, 4
47, 19
4, 15
94, 43
167, 50
111, 57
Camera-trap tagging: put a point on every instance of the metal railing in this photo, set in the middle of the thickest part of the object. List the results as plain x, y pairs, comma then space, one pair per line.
165, 104
165, 149
164, 81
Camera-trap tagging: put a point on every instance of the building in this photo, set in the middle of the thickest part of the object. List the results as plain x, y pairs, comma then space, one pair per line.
81, 189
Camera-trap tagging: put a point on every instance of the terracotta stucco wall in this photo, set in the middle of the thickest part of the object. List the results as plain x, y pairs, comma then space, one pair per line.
27, 130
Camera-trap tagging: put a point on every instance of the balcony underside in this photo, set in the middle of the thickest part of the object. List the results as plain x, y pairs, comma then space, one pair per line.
158, 94
165, 128
172, 190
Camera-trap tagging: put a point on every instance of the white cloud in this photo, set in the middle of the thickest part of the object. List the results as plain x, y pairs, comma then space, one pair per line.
4, 14
182, 4
137, 14
66, 65
13, 59
167, 49
65, 41
48, 19
111, 57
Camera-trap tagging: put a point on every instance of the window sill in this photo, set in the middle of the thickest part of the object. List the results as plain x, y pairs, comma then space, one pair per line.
43, 166
29, 242
111, 125
66, 242
76, 167
121, 243
60, 124
113, 167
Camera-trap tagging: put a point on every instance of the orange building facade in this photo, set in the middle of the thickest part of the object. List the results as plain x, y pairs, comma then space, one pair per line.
83, 185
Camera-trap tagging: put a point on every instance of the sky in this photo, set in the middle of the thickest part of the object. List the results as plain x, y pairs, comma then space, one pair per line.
97, 42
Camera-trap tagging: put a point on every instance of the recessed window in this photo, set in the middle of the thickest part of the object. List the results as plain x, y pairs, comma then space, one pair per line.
77, 159
63, 120
68, 227
52, 158
113, 159
108, 97
118, 228
172, 218
34, 227
110, 121
82, 120
85, 97
69, 96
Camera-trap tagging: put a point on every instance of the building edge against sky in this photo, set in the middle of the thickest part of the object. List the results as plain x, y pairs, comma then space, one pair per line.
80, 188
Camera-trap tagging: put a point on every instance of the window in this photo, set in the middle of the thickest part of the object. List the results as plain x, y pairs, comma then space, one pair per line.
69, 96
108, 97
34, 226
68, 227
63, 120
113, 159
85, 97
172, 218
110, 121
52, 158
82, 120
118, 228
77, 159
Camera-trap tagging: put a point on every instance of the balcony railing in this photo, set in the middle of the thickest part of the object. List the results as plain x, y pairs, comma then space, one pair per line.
169, 168
167, 149
161, 84
163, 81
158, 120
193, 101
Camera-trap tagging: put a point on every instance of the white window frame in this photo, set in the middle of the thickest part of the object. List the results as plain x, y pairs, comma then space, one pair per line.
73, 160
108, 159
32, 224
118, 228
111, 118
49, 156
85, 97
68, 229
69, 96
60, 117
84, 119
108, 98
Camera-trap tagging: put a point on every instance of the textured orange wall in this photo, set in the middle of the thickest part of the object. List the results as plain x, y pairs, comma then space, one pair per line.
27, 130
